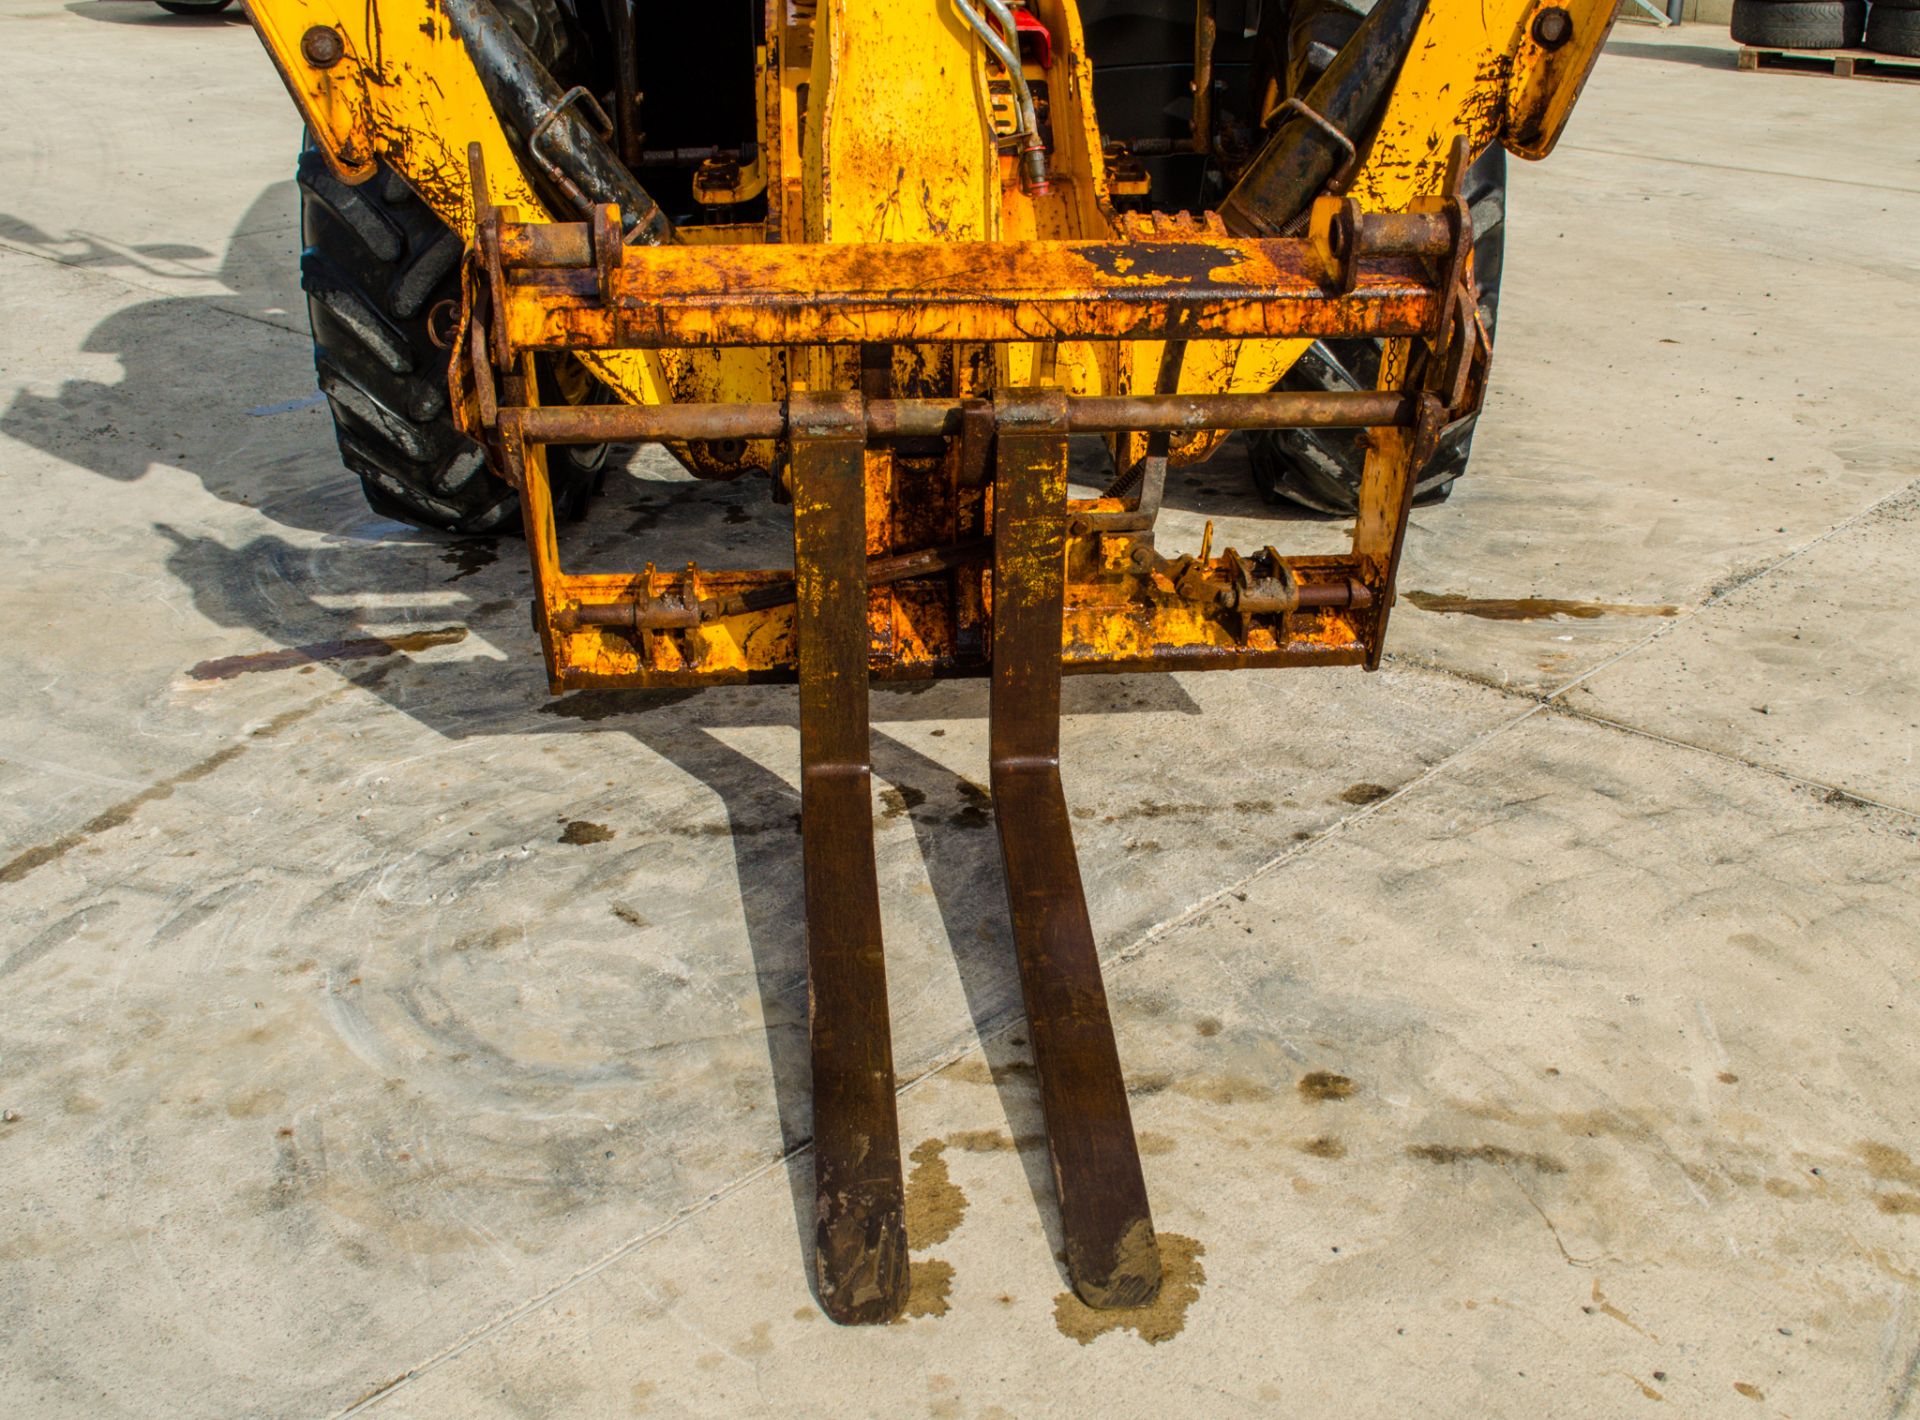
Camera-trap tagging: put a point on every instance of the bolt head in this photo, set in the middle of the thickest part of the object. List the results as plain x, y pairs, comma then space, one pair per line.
322, 47
1552, 27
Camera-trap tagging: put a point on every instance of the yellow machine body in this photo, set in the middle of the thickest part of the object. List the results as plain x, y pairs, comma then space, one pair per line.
881, 132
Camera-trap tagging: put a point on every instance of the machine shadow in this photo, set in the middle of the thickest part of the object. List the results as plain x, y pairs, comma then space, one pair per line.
218, 383
336, 573
293, 593
1697, 55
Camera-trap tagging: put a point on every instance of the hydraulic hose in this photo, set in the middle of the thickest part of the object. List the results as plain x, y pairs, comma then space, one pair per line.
546, 123
1299, 157
1033, 153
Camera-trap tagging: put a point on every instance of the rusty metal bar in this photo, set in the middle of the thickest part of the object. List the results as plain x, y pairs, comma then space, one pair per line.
922, 292
626, 97
897, 418
860, 1239
1204, 29
1112, 1255
1426, 234
881, 571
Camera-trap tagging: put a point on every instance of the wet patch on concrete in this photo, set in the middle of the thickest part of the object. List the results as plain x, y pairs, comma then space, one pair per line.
470, 557
1322, 1085
1364, 793
1484, 1154
935, 1204
929, 1289
976, 805
1164, 811
1530, 608
989, 1141
579, 833
357, 648
899, 801
1182, 1277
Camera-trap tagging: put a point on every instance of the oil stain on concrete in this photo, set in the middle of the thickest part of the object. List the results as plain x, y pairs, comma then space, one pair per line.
929, 1289
1182, 1277
356, 648
935, 1204
1530, 608
1322, 1085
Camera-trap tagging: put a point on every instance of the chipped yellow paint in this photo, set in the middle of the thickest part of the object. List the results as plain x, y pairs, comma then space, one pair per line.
899, 147
877, 127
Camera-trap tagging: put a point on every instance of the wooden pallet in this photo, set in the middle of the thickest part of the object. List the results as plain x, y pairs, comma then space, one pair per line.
1842, 63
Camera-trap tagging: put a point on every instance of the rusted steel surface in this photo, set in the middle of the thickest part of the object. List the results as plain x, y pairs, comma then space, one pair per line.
1112, 1256
927, 615
954, 292
904, 418
860, 1240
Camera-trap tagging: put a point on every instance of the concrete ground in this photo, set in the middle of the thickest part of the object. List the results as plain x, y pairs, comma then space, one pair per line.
1524, 1030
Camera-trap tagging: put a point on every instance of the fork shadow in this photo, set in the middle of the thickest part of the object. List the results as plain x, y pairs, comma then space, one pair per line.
279, 587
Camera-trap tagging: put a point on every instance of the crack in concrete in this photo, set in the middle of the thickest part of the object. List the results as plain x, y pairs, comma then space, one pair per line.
117, 815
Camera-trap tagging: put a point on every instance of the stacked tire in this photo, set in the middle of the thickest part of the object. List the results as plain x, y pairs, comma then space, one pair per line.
1893, 27
1801, 24
1885, 26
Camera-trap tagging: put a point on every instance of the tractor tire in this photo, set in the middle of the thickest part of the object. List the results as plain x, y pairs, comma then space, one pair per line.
379, 267
382, 277
1320, 468
1799, 24
1894, 29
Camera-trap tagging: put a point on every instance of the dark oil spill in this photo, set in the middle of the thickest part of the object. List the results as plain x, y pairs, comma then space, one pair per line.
579, 833
1155, 811
358, 648
1181, 1278
737, 514
1323, 1147
976, 805
935, 1204
471, 557
594, 705
1320, 1085
1530, 608
896, 802
1484, 1154
1364, 793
